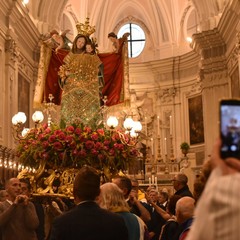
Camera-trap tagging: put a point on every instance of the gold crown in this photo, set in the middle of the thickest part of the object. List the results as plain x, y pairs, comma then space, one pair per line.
85, 29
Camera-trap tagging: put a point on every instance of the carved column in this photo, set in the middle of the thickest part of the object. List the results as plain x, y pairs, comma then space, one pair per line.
214, 78
11, 83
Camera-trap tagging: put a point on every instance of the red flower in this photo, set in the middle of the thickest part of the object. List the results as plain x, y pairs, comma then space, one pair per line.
78, 131
100, 131
52, 138
69, 139
82, 153
94, 136
70, 129
89, 144
45, 144
98, 145
58, 146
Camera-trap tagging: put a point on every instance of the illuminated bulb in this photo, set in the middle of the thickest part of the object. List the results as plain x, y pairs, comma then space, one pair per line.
137, 127
128, 123
20, 117
25, 131
37, 117
112, 122
25, 2
189, 39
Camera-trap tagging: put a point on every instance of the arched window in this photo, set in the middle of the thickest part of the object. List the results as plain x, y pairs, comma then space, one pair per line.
136, 40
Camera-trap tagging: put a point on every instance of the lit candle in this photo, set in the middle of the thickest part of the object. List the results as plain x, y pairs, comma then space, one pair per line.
149, 181
158, 125
156, 180
153, 179
170, 119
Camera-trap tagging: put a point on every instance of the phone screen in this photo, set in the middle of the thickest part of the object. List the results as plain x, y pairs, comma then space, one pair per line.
230, 128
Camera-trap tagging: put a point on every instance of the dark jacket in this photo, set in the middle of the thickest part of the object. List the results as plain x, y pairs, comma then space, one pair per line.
184, 192
87, 221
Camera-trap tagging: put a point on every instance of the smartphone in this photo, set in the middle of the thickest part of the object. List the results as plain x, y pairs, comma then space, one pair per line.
230, 128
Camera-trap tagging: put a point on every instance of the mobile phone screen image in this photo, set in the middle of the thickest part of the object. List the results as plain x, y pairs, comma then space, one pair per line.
230, 128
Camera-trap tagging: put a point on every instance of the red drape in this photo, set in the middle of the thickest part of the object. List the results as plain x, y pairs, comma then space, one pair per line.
52, 86
113, 77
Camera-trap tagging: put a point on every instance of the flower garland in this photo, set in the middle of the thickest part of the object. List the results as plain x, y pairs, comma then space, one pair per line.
74, 146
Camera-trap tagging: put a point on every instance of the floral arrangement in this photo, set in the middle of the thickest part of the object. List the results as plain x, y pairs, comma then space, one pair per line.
76, 145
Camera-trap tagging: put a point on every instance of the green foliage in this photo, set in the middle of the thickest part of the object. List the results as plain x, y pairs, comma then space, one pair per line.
184, 146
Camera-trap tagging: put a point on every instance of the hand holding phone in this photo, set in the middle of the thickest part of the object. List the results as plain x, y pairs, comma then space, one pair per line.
230, 128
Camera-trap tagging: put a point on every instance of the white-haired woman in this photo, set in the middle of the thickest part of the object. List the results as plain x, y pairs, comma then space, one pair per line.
112, 199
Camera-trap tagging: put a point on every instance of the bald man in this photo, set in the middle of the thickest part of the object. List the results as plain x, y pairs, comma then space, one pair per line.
184, 212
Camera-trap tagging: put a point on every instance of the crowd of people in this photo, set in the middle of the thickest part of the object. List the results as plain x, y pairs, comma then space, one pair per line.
113, 210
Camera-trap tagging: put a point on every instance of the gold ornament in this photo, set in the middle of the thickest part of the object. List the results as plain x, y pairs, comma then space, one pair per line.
85, 29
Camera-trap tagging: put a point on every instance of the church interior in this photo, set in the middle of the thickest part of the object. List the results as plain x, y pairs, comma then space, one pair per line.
187, 61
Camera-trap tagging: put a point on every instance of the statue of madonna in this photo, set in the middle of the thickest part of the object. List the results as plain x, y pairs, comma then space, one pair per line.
79, 80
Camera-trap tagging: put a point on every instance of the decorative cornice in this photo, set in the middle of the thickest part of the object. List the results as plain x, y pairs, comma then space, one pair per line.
12, 48
209, 44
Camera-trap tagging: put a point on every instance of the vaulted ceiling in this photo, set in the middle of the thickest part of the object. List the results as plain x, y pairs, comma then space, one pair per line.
166, 22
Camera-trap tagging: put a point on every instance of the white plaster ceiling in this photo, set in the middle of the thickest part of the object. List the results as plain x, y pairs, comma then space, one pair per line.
164, 21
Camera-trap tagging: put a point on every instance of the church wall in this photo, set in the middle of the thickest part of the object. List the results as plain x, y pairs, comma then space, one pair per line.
18, 56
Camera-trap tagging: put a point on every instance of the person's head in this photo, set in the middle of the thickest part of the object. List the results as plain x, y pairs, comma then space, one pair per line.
201, 180
153, 195
86, 184
25, 186
79, 44
13, 188
112, 36
171, 207
185, 209
90, 48
135, 185
112, 198
163, 197
124, 183
3, 195
180, 180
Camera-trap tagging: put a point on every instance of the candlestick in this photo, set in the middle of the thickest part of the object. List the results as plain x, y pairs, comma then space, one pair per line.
165, 146
146, 126
152, 146
170, 119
